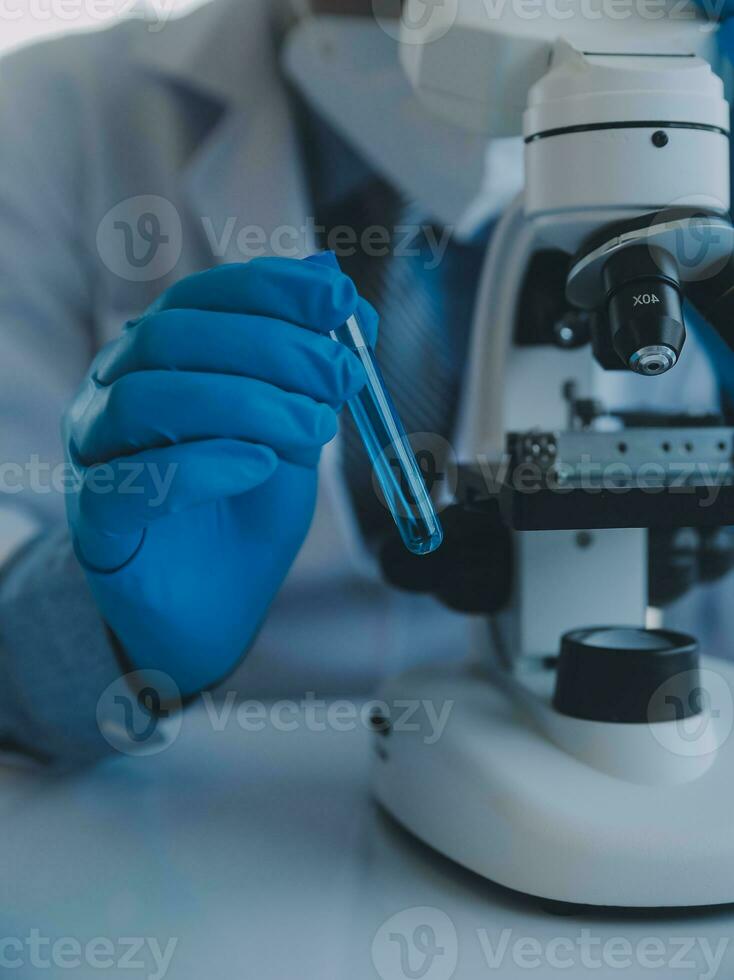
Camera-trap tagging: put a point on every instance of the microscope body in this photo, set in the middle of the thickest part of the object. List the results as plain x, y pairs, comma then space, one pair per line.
587, 758
625, 208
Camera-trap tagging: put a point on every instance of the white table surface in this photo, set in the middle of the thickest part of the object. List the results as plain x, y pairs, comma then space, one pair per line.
263, 855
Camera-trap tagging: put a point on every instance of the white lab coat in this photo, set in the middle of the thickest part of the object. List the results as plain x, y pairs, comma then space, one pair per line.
95, 120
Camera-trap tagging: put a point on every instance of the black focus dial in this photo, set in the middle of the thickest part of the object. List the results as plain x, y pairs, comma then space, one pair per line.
612, 674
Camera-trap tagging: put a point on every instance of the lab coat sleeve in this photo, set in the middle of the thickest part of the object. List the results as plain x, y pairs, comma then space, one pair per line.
56, 660
55, 656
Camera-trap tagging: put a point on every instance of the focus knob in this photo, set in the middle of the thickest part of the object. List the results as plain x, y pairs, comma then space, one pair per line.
611, 674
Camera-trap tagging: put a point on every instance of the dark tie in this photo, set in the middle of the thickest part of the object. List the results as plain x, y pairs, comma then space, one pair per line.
425, 300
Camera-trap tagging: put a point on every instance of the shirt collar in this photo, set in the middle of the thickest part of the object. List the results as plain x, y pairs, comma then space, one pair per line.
222, 50
227, 49
231, 51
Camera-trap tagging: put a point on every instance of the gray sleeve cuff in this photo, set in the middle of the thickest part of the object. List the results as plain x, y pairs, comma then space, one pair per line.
56, 657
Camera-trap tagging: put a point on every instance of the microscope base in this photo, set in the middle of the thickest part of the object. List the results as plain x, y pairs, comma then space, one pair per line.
636, 816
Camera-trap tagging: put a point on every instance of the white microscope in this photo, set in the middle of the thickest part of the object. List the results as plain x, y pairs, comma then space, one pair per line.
589, 756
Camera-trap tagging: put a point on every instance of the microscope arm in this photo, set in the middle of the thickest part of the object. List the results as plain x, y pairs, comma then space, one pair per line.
714, 299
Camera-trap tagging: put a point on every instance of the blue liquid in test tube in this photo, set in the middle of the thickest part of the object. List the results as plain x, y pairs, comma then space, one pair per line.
390, 452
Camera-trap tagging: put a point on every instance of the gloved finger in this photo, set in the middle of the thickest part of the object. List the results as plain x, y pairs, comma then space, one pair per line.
154, 409
126, 495
317, 297
367, 314
228, 343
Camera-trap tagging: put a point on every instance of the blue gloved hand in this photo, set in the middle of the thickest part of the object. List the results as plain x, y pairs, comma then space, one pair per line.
726, 31
195, 440
716, 9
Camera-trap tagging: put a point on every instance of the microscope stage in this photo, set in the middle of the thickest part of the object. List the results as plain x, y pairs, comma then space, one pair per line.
646, 477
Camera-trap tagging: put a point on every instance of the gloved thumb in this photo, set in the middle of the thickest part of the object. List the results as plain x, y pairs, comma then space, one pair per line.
328, 259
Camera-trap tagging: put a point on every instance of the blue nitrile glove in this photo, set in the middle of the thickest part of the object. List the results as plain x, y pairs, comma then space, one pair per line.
716, 9
721, 10
195, 440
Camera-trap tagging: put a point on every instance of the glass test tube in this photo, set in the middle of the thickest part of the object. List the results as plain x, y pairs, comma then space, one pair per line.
390, 452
